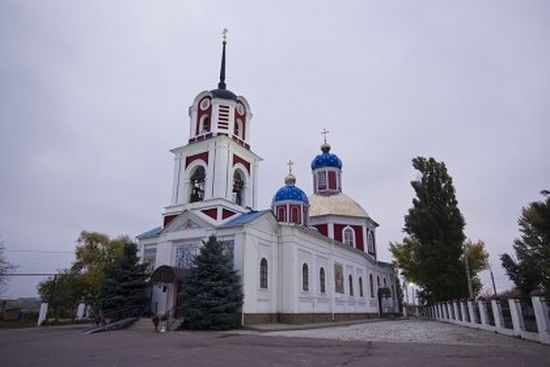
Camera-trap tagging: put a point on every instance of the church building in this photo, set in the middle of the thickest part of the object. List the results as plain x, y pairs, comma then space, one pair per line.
305, 259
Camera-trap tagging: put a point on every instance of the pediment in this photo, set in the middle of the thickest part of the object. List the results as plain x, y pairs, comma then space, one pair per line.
186, 221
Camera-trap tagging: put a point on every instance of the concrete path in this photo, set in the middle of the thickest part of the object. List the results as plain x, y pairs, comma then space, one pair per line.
142, 347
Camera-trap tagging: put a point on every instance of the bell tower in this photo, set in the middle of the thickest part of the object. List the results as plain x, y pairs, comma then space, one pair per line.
215, 173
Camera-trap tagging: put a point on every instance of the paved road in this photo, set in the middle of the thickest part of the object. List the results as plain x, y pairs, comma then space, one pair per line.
141, 347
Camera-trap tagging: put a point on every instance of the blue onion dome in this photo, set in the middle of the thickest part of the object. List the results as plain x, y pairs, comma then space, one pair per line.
326, 159
290, 191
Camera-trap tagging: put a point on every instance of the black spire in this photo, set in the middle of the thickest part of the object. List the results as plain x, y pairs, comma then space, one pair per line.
221, 84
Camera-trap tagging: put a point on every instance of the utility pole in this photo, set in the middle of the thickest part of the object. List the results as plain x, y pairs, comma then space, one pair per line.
470, 291
493, 280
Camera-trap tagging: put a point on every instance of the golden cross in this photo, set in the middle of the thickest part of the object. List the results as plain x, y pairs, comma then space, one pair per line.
325, 132
224, 34
289, 164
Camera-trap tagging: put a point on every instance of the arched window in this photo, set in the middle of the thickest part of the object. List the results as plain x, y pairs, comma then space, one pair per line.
322, 280
238, 188
239, 128
204, 126
384, 281
197, 184
305, 277
371, 286
263, 273
370, 243
360, 287
377, 282
350, 280
349, 237
295, 215
281, 214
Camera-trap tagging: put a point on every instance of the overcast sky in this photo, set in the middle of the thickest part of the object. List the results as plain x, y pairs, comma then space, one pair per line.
93, 94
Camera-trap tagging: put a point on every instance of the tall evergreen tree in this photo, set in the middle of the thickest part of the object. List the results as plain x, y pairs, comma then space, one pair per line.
531, 270
435, 228
213, 291
124, 287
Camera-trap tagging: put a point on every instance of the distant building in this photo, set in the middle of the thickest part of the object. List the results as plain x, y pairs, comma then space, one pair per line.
305, 259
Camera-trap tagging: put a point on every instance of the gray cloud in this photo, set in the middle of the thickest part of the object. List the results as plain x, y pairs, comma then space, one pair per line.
93, 95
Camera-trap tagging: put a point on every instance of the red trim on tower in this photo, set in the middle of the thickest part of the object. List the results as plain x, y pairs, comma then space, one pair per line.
212, 213
338, 228
295, 214
359, 242
322, 228
201, 113
190, 159
227, 213
168, 219
332, 180
237, 159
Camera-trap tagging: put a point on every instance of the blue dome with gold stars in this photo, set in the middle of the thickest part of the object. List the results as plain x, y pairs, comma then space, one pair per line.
326, 159
290, 191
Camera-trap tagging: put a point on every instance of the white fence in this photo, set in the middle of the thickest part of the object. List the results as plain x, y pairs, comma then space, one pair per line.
509, 317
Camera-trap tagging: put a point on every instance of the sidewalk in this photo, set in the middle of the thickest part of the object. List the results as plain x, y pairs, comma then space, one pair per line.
288, 327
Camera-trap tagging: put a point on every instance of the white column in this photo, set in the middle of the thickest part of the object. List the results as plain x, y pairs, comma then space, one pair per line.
43, 313
463, 310
517, 317
473, 316
497, 314
449, 312
541, 314
455, 309
483, 313
80, 311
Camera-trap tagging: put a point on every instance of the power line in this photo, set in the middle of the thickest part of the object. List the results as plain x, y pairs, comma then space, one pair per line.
42, 251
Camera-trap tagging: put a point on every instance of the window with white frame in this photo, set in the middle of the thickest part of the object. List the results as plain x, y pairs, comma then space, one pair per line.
322, 280
360, 287
370, 242
350, 280
263, 273
305, 277
349, 237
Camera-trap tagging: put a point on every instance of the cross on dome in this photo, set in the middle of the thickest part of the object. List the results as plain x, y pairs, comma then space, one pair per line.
325, 132
224, 34
289, 164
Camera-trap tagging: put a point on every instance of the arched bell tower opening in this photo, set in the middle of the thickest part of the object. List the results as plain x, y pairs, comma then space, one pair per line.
216, 170
197, 181
238, 187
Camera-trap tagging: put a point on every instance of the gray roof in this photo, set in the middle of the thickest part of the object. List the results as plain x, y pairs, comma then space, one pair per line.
245, 218
150, 233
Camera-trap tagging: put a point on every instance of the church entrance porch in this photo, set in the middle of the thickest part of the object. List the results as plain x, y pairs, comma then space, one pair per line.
167, 296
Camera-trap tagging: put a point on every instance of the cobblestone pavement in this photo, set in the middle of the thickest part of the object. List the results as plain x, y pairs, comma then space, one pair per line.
407, 331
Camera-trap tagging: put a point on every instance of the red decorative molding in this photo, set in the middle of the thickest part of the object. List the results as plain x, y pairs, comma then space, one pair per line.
332, 180
190, 159
227, 213
168, 219
281, 213
295, 214
237, 159
201, 113
212, 213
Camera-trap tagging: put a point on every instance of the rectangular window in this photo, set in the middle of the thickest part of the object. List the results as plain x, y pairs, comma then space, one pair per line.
323, 180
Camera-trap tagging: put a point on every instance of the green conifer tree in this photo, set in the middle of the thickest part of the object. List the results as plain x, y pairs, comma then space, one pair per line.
431, 255
124, 287
530, 270
213, 291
